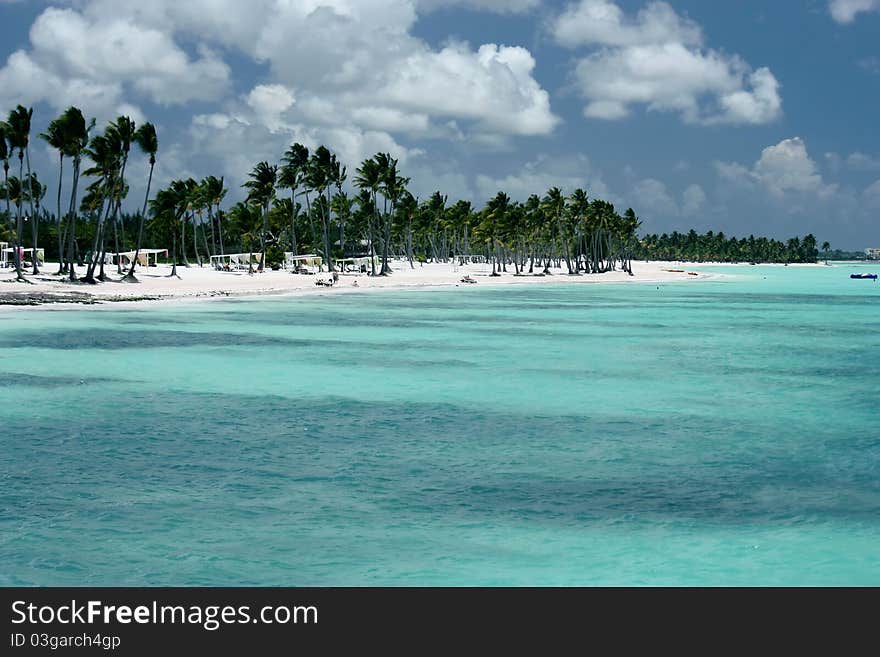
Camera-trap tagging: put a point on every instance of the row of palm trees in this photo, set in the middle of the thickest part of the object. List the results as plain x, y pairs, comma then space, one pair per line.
717, 247
71, 136
384, 219
302, 203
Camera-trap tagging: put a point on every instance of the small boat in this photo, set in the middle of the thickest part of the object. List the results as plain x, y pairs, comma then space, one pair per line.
871, 276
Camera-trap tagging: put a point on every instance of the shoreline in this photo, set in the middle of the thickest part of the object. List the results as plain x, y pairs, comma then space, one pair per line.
205, 284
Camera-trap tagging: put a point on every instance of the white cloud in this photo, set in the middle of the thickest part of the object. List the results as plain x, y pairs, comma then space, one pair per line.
269, 102
357, 60
492, 86
693, 200
490, 89
653, 199
536, 177
872, 195
861, 162
601, 22
495, 6
845, 11
784, 168
655, 59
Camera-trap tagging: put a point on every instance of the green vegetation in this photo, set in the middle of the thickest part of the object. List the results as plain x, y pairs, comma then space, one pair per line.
716, 247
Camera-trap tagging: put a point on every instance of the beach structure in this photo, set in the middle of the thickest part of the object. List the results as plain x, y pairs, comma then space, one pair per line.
146, 257
468, 258
308, 261
25, 255
873, 254
235, 261
356, 265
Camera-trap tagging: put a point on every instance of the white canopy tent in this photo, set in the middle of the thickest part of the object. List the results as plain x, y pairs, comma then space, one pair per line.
357, 265
144, 257
235, 261
24, 254
309, 260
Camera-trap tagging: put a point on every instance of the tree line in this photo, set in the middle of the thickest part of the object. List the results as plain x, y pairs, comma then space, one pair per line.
717, 247
302, 204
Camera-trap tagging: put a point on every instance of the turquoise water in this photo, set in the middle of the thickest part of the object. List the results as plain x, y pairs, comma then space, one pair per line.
702, 433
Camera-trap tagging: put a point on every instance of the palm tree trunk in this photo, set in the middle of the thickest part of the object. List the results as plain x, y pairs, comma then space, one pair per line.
35, 219
116, 246
101, 275
174, 253
213, 240
205, 242
386, 238
131, 277
263, 234
220, 229
71, 228
60, 223
192, 218
6, 186
19, 223
99, 229
293, 221
325, 226
183, 242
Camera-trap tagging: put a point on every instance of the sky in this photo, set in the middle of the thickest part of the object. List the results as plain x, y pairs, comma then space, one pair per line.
751, 117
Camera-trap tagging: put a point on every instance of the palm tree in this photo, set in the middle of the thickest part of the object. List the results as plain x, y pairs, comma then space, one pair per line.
105, 152
126, 132
182, 189
213, 193
18, 132
36, 191
57, 137
826, 247
323, 173
261, 192
393, 187
4, 155
291, 175
167, 209
369, 179
13, 191
148, 142
78, 132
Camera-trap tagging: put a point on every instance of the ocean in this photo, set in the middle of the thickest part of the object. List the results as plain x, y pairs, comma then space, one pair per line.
720, 432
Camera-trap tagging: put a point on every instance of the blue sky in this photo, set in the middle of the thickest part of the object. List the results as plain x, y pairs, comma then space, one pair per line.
747, 117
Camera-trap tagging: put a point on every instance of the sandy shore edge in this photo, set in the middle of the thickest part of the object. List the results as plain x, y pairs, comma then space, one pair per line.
194, 283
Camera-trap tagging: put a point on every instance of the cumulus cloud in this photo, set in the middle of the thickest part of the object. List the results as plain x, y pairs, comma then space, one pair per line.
488, 89
96, 63
783, 168
861, 162
656, 59
845, 11
536, 177
350, 62
872, 195
494, 6
653, 199
350, 74
693, 200
601, 22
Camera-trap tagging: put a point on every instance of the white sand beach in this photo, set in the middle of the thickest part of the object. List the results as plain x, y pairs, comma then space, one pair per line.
204, 282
